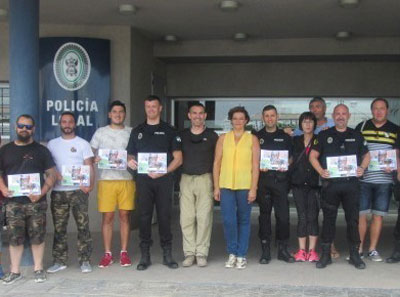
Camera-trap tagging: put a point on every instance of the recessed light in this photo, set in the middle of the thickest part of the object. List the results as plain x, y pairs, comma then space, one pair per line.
343, 35
349, 3
229, 5
3, 12
240, 36
170, 38
127, 9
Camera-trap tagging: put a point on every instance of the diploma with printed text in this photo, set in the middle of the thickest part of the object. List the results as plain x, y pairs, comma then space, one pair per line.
24, 184
75, 175
382, 159
112, 159
152, 163
274, 160
342, 166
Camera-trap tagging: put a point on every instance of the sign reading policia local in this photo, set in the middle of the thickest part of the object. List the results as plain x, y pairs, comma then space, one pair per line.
75, 77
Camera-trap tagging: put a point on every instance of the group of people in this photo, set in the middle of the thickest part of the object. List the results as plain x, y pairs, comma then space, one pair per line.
224, 168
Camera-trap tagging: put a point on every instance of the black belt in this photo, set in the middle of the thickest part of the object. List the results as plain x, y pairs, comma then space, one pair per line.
341, 179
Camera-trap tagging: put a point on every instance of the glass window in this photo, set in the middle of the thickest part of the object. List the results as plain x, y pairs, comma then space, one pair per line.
5, 111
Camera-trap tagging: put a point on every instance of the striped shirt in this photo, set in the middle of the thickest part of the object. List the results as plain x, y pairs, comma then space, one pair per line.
385, 137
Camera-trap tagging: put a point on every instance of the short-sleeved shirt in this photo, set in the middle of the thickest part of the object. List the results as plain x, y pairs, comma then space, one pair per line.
198, 151
25, 159
275, 141
386, 137
160, 138
116, 139
332, 143
69, 152
329, 123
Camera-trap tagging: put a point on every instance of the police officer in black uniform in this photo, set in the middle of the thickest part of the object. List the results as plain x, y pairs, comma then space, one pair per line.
155, 136
340, 140
273, 188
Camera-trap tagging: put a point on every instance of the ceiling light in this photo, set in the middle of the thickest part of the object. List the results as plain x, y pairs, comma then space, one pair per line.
170, 38
3, 12
343, 35
349, 3
127, 9
240, 36
229, 5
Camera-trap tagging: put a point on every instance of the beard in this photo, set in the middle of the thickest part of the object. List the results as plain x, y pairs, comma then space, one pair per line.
24, 138
67, 131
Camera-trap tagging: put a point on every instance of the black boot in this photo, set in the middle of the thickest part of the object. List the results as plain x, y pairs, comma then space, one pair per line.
266, 252
395, 257
355, 258
145, 261
283, 253
325, 258
168, 260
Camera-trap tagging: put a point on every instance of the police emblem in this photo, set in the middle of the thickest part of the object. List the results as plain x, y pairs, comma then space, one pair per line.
329, 140
73, 149
262, 141
178, 139
315, 141
71, 66
140, 136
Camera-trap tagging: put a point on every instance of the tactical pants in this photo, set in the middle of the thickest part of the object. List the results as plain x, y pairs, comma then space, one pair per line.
273, 192
61, 203
347, 192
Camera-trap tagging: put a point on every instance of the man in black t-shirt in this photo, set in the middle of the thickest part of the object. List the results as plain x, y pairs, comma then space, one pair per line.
196, 197
26, 214
154, 187
273, 187
340, 141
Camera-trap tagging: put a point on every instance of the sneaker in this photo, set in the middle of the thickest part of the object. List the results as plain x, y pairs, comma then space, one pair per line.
106, 261
124, 259
189, 260
56, 267
241, 263
300, 256
11, 278
361, 256
201, 261
374, 256
86, 267
312, 256
231, 261
40, 276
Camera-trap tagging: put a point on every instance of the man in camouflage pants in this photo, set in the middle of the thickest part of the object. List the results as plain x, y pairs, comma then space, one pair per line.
71, 192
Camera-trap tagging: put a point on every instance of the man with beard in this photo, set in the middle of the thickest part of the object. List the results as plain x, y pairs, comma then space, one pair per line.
196, 198
26, 214
69, 149
155, 136
337, 141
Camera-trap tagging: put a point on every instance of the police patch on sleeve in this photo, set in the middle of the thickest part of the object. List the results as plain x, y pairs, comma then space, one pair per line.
365, 143
329, 140
140, 136
178, 139
315, 141
261, 140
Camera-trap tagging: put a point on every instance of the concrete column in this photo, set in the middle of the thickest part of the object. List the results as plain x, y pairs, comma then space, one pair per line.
24, 60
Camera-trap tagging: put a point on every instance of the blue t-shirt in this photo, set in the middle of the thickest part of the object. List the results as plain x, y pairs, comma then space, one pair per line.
329, 123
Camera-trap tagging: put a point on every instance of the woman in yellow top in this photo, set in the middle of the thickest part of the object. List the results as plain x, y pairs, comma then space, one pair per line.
236, 170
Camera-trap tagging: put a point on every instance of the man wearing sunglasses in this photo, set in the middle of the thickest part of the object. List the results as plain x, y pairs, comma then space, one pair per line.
26, 214
344, 142
196, 187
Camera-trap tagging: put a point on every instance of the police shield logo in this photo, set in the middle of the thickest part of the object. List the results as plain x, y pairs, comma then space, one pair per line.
329, 140
262, 141
315, 141
178, 139
71, 66
140, 136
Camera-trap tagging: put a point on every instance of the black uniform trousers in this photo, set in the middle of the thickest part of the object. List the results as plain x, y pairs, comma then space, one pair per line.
156, 192
334, 192
273, 192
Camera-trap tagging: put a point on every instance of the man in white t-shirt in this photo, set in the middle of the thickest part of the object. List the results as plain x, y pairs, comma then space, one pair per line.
70, 150
115, 187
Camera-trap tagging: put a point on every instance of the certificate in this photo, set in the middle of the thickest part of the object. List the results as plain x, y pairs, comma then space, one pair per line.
152, 163
75, 175
24, 184
112, 159
382, 159
342, 166
274, 160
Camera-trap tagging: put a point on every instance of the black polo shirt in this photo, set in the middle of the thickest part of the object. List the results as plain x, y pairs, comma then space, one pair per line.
275, 141
160, 138
332, 143
198, 151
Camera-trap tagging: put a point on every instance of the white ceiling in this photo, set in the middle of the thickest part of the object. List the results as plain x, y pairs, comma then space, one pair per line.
201, 19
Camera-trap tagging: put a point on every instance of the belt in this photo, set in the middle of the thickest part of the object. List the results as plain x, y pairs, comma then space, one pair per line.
341, 179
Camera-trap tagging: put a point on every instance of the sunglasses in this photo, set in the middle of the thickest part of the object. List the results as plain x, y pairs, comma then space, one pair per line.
22, 126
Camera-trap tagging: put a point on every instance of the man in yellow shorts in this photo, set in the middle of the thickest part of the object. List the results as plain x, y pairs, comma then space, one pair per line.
116, 187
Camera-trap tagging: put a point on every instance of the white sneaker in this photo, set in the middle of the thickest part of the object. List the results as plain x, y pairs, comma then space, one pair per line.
56, 268
231, 261
86, 267
374, 256
241, 263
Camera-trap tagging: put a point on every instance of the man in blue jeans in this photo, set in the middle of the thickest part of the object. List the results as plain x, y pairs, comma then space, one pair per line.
376, 186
